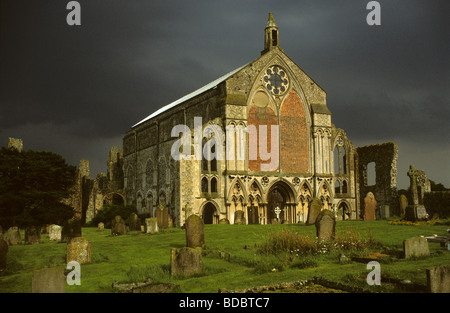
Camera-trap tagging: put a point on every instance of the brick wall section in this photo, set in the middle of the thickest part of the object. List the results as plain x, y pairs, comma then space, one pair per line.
293, 135
261, 116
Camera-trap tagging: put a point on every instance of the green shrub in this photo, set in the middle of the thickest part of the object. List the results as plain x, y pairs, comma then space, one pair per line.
107, 213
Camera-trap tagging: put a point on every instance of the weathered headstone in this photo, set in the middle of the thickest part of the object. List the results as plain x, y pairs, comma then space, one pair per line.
195, 233
224, 221
314, 210
134, 222
385, 211
3, 252
48, 280
438, 279
71, 229
370, 206
416, 246
325, 225
118, 226
55, 232
79, 250
162, 216
101, 226
33, 235
186, 261
151, 225
13, 236
403, 204
239, 217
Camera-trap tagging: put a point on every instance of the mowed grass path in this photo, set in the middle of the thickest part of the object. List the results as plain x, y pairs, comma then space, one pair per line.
112, 257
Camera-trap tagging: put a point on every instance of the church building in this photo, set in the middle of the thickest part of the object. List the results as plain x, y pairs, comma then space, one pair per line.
309, 157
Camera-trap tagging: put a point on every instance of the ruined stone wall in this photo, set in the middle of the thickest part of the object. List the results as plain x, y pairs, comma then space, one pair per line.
385, 188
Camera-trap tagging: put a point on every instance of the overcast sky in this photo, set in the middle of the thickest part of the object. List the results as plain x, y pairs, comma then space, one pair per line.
76, 90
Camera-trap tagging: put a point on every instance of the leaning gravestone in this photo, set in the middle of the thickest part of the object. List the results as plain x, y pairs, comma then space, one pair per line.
314, 210
54, 232
403, 203
134, 222
162, 216
48, 280
33, 235
79, 250
195, 232
370, 205
186, 261
438, 279
14, 236
416, 246
118, 226
151, 226
239, 217
325, 225
3, 252
71, 229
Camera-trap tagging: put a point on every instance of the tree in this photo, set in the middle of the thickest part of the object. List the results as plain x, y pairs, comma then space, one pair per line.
33, 185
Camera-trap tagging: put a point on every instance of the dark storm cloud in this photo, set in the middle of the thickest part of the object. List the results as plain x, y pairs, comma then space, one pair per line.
87, 85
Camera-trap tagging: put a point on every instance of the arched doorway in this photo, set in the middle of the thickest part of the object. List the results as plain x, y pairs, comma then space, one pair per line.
280, 204
208, 213
343, 211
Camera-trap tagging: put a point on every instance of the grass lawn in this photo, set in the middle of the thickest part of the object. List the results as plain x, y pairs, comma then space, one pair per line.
137, 256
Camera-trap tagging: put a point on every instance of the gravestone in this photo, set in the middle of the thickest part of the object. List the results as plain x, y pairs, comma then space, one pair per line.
403, 204
48, 280
71, 229
195, 233
54, 232
13, 235
224, 221
3, 252
134, 222
370, 206
79, 250
314, 210
33, 235
118, 226
151, 225
162, 216
239, 218
385, 211
325, 225
101, 226
186, 261
438, 279
416, 246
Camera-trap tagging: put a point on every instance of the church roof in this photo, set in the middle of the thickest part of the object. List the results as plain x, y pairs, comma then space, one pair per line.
193, 94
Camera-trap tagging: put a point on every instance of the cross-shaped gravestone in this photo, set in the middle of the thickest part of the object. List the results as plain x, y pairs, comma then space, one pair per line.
277, 212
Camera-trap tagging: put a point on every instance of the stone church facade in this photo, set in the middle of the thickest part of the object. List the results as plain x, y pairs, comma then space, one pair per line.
314, 158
